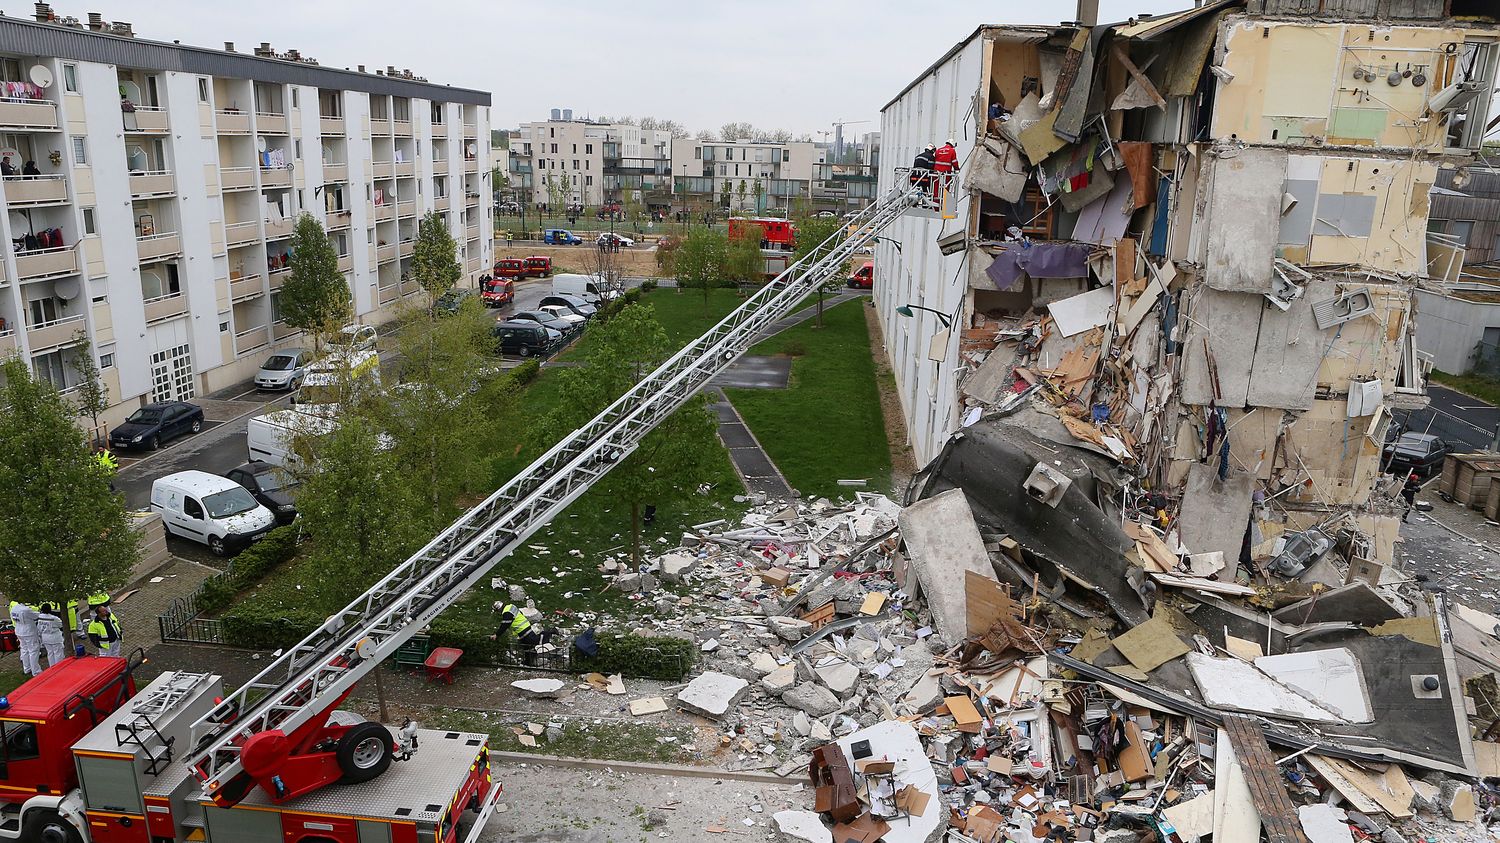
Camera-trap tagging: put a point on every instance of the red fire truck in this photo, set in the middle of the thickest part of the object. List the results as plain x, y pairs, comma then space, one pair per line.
85, 759
498, 292
778, 239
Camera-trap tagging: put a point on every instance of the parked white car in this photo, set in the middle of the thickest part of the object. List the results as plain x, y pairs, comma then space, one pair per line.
282, 370
557, 311
211, 510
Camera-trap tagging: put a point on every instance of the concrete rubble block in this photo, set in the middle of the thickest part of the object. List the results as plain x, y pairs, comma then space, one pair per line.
925, 695
802, 723
763, 663
778, 681
802, 825
840, 678
540, 689
813, 699
517, 594
674, 566
789, 629
648, 582
713, 694
943, 542
1323, 823
628, 583
1457, 801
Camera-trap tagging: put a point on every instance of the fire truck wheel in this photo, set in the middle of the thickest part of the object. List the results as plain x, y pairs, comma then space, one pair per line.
48, 826
365, 752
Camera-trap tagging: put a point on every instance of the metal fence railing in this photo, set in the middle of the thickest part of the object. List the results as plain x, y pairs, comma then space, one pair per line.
1464, 437
180, 622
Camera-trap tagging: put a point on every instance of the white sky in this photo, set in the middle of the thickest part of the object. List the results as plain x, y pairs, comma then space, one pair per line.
794, 64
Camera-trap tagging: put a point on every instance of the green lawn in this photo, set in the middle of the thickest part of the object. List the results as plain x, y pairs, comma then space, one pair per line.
11, 678
681, 312
826, 426
1479, 386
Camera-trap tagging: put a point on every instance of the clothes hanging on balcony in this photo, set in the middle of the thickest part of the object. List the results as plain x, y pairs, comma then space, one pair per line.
22, 91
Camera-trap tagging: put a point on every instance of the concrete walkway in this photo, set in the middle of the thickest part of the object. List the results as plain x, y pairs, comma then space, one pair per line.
750, 460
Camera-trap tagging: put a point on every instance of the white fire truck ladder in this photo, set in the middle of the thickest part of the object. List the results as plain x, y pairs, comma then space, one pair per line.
309, 679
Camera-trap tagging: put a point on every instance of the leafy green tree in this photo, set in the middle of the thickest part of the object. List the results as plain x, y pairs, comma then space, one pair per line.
63, 532
557, 193
726, 193
361, 510
743, 261
742, 190
811, 232
701, 260
434, 261
671, 459
315, 297
91, 395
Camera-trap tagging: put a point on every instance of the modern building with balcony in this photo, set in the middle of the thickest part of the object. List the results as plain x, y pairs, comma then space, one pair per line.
157, 186
743, 176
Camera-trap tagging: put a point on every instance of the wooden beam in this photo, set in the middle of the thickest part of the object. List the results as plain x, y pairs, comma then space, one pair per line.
1138, 76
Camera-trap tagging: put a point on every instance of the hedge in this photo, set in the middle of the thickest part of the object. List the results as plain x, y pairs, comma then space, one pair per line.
638, 656
248, 568
526, 372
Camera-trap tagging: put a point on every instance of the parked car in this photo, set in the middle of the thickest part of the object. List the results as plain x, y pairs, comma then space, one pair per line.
825, 215
608, 239
268, 485
577, 304
567, 329
498, 292
525, 338
282, 370
562, 312
864, 277
538, 266
510, 268
560, 237
154, 424
513, 208
450, 302
1419, 452
356, 337
211, 510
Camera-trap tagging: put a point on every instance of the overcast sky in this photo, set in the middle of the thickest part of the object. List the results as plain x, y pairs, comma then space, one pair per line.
793, 64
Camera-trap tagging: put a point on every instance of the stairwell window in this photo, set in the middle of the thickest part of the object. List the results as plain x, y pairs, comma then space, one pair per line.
70, 78
202, 89
80, 152
89, 225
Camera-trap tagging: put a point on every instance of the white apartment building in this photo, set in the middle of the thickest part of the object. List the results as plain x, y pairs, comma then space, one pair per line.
564, 161
772, 175
167, 182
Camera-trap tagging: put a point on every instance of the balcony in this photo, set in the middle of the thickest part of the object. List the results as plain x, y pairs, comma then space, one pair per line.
331, 125
383, 170
339, 220
380, 125
7, 341
31, 191
278, 275
406, 168
386, 253
232, 122
472, 231
27, 114
407, 248
279, 228
346, 263
473, 265
409, 286
441, 203
145, 183
246, 288
471, 165
252, 339
385, 212
146, 118
282, 330
406, 209
471, 130
275, 177
270, 123
335, 172
47, 263
241, 233
166, 307
45, 336
236, 178
159, 246
390, 294
401, 128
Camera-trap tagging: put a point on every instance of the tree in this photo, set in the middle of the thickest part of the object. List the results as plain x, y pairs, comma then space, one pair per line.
557, 192
759, 190
743, 261
434, 261
780, 136
91, 395
315, 297
363, 514
742, 190
734, 131
63, 532
705, 135
725, 193
700, 261
671, 459
811, 232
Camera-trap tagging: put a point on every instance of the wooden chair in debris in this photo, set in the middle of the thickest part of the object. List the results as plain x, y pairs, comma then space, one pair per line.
833, 783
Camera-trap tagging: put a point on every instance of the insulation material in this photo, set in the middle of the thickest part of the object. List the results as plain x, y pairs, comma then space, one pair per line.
998, 169
1288, 352
1216, 513
1240, 254
1226, 322
1332, 677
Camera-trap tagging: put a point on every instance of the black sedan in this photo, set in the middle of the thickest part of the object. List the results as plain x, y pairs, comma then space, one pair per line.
154, 424
268, 484
1419, 452
546, 320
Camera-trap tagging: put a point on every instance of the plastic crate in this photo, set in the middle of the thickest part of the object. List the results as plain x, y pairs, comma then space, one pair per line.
414, 652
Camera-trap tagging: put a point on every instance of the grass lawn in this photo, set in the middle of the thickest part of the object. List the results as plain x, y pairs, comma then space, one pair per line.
581, 737
11, 678
1479, 386
826, 426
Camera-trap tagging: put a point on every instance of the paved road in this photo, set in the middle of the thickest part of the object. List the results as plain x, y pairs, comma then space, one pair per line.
1472, 410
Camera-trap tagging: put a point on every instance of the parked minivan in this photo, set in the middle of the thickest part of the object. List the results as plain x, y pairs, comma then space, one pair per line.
586, 287
525, 338
211, 510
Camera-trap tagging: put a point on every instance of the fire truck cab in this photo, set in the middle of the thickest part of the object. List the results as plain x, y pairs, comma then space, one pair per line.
87, 761
773, 234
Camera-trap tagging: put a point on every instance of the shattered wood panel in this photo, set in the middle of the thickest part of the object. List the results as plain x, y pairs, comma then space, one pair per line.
1339, 458
1243, 219
1370, 346
1228, 322
1289, 351
1216, 513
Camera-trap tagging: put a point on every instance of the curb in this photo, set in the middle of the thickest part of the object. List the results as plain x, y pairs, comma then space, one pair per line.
639, 768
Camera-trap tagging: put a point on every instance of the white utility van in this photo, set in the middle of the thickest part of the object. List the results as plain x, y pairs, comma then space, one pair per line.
269, 437
587, 287
210, 509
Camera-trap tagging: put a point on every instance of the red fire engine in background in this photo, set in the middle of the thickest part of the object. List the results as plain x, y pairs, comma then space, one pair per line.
777, 237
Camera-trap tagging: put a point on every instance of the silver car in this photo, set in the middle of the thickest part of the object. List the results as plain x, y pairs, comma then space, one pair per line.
282, 370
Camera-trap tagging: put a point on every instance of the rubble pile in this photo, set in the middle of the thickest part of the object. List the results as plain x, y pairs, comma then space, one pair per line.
933, 674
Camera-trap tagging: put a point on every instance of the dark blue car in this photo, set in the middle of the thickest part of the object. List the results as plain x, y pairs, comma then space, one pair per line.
154, 424
560, 237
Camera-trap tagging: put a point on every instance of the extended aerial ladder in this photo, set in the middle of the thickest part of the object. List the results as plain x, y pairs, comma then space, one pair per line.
277, 730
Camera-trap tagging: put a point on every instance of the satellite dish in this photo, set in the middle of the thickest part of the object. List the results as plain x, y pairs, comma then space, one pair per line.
19, 222
473, 149
66, 289
40, 76
136, 159
260, 143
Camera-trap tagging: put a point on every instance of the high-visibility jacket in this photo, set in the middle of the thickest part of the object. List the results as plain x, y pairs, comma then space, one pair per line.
519, 625
107, 461
105, 633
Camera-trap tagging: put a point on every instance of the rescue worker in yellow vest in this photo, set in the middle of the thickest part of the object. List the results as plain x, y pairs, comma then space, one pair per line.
23, 620
104, 633
515, 622
109, 465
49, 625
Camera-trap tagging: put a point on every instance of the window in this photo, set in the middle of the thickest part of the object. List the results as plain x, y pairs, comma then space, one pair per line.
1462, 229
49, 367
1437, 226
107, 358
192, 508
575, 149
43, 311
552, 133
554, 149
575, 164
588, 180
89, 225
588, 148
18, 741
295, 103
102, 298
70, 78
202, 89
723, 169
297, 148
697, 152
80, 152
786, 155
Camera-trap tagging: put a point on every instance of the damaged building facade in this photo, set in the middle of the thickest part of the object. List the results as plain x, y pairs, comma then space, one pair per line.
1187, 245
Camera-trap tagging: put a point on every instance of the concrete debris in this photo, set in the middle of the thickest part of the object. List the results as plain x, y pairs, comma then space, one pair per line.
815, 700
802, 825
778, 681
712, 694
540, 688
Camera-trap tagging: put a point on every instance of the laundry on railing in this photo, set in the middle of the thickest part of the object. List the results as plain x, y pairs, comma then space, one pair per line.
22, 91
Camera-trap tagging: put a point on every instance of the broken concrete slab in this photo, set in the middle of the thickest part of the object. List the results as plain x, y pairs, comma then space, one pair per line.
675, 566
778, 681
542, 689
789, 629
1457, 801
943, 542
1332, 677
1356, 602
802, 825
813, 699
1240, 257
1235, 817
713, 694
840, 678
1216, 513
1323, 823
647, 705
763, 663
1236, 686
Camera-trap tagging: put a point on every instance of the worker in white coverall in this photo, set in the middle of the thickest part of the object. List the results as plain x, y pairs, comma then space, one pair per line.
49, 624
23, 618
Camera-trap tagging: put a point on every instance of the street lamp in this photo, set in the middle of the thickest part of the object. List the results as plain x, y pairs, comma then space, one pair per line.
907, 311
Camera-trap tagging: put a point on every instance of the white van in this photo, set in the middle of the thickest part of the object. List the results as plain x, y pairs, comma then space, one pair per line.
269, 437
588, 287
341, 373
210, 509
